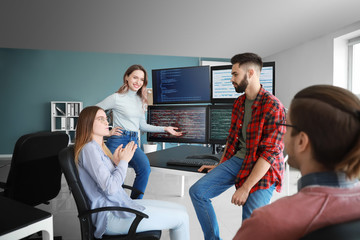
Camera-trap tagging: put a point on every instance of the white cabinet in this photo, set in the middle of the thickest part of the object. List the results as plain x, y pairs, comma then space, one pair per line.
64, 115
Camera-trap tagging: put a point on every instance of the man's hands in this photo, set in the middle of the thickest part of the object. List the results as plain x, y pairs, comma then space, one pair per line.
240, 196
259, 170
124, 154
206, 168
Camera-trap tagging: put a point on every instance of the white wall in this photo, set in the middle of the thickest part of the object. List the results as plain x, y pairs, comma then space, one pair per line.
310, 63
341, 55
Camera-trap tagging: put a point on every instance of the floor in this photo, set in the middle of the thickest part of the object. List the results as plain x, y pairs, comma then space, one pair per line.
161, 186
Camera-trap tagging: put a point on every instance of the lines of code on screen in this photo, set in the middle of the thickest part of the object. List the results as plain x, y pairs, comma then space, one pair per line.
190, 120
181, 85
219, 124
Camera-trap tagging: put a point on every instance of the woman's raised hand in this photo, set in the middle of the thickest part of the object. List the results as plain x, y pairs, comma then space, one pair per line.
172, 131
124, 154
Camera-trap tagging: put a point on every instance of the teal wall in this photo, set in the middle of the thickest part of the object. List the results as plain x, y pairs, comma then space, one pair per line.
30, 79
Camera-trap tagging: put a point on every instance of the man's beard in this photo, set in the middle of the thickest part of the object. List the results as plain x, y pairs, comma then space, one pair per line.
242, 86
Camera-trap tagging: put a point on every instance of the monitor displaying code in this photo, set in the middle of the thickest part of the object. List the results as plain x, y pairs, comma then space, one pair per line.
222, 89
191, 121
219, 123
267, 78
181, 85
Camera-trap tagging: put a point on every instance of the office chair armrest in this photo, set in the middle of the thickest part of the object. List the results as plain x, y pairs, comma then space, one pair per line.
2, 185
134, 224
137, 191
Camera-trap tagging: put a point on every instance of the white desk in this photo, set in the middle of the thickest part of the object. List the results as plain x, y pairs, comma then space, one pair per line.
18, 220
181, 173
158, 161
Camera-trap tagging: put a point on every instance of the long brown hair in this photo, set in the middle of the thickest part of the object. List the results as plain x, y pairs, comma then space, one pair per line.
84, 130
142, 92
330, 116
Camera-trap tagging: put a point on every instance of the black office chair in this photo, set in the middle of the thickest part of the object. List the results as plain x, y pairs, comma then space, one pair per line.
35, 173
344, 231
66, 158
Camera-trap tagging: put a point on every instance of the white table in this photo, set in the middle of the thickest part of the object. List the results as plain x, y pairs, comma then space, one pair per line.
18, 220
158, 161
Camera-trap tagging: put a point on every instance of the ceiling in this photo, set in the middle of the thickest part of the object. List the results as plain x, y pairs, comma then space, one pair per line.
196, 28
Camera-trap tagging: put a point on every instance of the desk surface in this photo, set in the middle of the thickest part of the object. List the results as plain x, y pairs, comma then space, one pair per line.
15, 215
160, 158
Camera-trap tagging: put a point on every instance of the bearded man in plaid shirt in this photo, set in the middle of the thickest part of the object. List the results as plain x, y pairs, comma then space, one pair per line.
253, 155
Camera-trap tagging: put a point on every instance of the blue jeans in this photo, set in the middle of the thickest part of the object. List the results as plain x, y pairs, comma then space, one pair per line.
162, 215
213, 184
139, 162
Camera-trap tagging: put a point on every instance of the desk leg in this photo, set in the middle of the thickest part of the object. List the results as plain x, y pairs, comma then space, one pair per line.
182, 186
48, 230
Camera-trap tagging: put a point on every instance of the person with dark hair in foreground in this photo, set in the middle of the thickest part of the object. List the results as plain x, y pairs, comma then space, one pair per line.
322, 140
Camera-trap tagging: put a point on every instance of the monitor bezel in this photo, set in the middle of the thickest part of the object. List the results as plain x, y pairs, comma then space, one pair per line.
155, 91
231, 100
178, 139
218, 106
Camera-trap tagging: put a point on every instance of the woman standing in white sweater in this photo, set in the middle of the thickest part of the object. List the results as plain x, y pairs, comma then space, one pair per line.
128, 105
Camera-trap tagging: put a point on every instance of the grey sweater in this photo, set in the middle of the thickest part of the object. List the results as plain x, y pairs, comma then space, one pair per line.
128, 112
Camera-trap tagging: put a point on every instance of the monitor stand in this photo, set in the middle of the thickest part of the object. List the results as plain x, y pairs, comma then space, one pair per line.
217, 148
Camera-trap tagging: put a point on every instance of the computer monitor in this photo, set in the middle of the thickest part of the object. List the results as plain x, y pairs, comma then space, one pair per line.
267, 76
181, 85
222, 90
190, 119
219, 121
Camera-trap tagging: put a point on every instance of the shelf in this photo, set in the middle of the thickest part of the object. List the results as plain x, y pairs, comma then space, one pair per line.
64, 116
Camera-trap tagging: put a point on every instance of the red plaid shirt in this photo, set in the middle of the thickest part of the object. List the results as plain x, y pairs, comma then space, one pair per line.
263, 139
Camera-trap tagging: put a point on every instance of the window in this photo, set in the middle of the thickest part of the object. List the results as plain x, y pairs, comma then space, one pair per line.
354, 65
